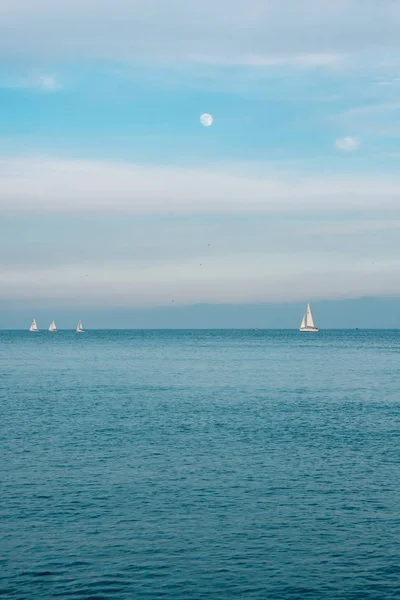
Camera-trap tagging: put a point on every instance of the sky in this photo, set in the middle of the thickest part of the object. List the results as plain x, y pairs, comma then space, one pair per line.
114, 197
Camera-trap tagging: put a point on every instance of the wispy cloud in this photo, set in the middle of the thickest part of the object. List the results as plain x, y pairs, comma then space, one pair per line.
45, 83
347, 144
177, 29
355, 227
378, 119
52, 185
235, 279
252, 60
370, 109
48, 83
393, 81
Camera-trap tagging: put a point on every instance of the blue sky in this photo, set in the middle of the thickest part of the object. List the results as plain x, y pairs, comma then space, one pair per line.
112, 194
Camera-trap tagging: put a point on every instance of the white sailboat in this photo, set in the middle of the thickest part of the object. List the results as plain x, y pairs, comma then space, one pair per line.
79, 328
307, 323
52, 326
34, 326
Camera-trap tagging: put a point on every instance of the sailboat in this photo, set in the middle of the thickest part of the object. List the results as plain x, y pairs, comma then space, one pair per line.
79, 328
52, 326
34, 326
307, 323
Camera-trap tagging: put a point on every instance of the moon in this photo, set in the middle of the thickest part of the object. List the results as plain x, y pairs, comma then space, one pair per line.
206, 120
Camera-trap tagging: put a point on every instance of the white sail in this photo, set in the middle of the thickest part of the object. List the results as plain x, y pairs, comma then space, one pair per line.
79, 328
52, 326
307, 323
309, 319
34, 326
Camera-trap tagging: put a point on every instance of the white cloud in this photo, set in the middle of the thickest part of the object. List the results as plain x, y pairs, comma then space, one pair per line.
152, 30
393, 81
237, 278
54, 185
378, 119
111, 259
370, 109
355, 227
347, 144
46, 83
291, 60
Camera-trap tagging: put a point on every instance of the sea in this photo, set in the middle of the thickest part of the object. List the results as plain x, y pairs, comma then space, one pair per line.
200, 465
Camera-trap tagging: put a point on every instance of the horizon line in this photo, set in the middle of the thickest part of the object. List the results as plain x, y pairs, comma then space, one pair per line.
255, 329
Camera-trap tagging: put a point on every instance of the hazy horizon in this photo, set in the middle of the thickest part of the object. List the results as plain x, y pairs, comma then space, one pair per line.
361, 313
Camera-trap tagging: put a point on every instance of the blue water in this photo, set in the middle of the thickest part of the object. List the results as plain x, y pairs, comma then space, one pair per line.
200, 464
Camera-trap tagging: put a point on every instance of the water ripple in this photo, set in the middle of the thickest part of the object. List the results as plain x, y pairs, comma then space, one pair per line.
200, 465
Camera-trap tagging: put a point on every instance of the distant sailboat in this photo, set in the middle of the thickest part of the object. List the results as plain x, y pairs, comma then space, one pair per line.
52, 326
307, 323
34, 326
79, 328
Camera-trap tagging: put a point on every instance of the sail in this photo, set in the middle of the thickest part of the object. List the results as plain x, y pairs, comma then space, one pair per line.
52, 326
80, 327
309, 319
303, 323
34, 326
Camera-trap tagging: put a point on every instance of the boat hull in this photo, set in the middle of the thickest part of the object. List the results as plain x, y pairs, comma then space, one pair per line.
309, 330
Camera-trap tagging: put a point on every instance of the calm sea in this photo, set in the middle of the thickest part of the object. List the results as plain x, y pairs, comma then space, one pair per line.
200, 465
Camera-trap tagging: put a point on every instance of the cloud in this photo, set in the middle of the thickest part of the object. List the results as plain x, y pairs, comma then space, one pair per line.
393, 81
370, 109
251, 60
356, 227
347, 144
250, 277
379, 119
38, 185
154, 31
46, 83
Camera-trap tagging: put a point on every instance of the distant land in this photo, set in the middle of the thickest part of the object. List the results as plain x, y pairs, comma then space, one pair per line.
374, 313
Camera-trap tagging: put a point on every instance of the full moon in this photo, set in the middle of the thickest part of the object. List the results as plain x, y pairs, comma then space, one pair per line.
206, 120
